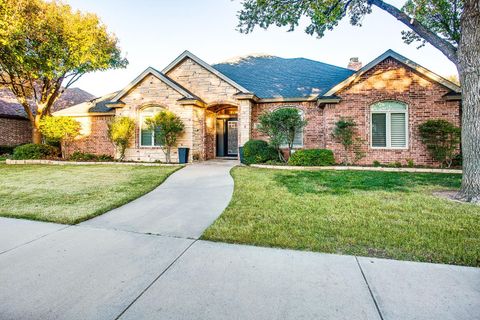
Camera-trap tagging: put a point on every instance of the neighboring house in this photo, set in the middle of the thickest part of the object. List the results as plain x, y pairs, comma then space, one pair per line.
15, 128
220, 105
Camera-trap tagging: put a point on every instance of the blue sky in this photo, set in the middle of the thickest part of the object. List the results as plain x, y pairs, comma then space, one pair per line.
154, 32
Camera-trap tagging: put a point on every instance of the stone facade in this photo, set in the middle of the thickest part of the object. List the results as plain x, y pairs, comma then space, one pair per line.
15, 131
388, 80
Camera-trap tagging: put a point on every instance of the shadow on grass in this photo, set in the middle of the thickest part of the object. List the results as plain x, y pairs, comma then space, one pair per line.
345, 182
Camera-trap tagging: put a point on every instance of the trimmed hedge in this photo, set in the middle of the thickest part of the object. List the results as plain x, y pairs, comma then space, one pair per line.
81, 156
34, 151
258, 151
312, 157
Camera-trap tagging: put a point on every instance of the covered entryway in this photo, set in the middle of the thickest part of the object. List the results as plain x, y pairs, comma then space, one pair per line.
223, 132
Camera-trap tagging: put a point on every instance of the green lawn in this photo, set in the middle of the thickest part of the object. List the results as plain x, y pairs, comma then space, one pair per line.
71, 194
379, 214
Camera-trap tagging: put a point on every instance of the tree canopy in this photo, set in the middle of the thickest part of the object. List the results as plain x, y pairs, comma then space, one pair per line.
45, 47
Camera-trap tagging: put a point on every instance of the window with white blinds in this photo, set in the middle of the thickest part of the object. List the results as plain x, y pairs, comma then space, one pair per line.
389, 125
147, 136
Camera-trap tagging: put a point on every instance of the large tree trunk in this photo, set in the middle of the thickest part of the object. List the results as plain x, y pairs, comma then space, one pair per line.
36, 134
469, 70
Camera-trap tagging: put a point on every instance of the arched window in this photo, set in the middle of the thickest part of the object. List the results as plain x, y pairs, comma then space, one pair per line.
298, 140
389, 125
147, 136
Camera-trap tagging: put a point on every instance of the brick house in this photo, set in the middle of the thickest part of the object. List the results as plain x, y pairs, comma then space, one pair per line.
220, 105
15, 128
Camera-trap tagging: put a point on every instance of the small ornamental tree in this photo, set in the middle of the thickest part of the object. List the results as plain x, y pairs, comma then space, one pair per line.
120, 131
280, 126
442, 140
167, 127
60, 129
345, 133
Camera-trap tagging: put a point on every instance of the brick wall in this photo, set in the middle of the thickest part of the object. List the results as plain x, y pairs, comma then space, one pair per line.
313, 133
94, 136
391, 80
15, 131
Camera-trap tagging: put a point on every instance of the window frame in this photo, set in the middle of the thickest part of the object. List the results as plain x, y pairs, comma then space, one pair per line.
142, 118
302, 115
388, 125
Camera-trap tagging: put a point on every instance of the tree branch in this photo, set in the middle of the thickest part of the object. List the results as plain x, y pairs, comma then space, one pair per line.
443, 45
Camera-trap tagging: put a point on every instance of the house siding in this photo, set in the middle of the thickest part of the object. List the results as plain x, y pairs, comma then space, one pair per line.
93, 136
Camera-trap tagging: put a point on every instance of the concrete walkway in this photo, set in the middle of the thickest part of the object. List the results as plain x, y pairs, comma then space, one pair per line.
110, 269
183, 206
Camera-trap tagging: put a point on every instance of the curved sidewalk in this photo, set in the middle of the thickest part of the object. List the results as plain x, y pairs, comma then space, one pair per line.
183, 206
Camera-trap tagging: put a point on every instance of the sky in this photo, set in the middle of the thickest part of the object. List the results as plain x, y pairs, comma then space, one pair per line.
154, 32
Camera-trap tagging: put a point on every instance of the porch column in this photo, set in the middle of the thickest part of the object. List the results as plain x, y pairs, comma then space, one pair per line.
245, 119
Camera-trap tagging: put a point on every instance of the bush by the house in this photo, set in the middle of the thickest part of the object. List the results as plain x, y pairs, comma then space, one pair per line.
60, 130
120, 131
258, 151
6, 149
33, 151
312, 157
84, 156
442, 139
345, 133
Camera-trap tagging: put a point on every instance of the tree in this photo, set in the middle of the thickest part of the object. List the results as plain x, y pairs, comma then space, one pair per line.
345, 133
280, 126
167, 127
120, 131
442, 140
451, 26
45, 47
60, 130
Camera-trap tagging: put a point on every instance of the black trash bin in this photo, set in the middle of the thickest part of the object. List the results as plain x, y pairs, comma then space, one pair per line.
240, 151
183, 155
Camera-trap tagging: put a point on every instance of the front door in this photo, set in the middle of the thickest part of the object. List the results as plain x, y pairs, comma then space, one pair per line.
227, 138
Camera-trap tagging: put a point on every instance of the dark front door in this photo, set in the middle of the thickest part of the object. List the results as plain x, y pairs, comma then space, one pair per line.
227, 137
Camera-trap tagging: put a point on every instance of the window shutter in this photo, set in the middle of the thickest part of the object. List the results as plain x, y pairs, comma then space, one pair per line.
146, 139
379, 129
398, 132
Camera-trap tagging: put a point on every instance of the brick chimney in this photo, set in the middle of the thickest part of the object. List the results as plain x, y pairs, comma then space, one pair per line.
354, 64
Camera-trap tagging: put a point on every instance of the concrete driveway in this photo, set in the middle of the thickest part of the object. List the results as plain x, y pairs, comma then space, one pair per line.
110, 269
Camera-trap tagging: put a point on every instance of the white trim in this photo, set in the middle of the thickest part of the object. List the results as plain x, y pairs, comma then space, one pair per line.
388, 137
188, 54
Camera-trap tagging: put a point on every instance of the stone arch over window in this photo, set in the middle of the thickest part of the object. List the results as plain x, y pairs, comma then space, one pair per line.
389, 125
147, 136
298, 140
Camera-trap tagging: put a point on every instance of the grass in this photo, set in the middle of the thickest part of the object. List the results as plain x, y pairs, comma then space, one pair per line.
71, 194
379, 214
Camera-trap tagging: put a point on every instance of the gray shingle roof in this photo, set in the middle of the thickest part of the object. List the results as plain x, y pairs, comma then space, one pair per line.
272, 77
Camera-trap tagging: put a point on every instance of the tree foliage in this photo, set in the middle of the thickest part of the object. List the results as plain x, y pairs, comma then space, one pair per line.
45, 47
60, 129
169, 127
442, 140
280, 126
120, 131
345, 133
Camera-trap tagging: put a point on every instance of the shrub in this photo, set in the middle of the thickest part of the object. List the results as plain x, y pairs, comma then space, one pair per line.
84, 156
105, 158
281, 126
312, 157
6, 149
410, 163
59, 131
441, 138
34, 151
120, 130
396, 164
345, 133
167, 127
377, 163
258, 151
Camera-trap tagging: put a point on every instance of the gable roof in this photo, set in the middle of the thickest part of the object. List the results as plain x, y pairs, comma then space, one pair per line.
274, 77
392, 54
10, 107
188, 55
165, 79
97, 106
